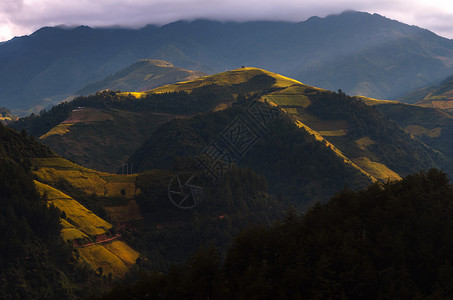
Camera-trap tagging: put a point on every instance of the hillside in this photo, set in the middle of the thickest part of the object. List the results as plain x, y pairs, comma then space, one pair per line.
362, 139
150, 124
143, 75
88, 238
432, 126
373, 56
438, 96
345, 122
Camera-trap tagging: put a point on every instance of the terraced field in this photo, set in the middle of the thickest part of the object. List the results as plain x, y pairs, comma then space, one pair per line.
80, 225
90, 181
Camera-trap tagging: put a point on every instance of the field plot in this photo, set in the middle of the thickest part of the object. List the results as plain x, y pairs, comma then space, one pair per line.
97, 256
376, 169
90, 181
76, 214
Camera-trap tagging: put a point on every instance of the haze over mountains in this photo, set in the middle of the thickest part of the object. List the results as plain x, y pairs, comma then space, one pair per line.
357, 52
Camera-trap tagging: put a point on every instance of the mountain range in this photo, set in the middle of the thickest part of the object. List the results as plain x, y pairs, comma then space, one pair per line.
354, 142
360, 53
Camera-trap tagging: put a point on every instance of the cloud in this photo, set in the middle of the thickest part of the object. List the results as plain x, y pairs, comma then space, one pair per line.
18, 17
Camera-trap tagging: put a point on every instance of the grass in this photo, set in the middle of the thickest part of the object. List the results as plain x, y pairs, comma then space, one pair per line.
97, 256
60, 129
339, 132
90, 181
372, 101
76, 214
420, 130
70, 232
364, 142
229, 78
113, 257
320, 138
376, 169
105, 144
123, 251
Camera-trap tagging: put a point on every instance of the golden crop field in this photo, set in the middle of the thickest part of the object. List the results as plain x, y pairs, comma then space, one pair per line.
97, 256
376, 169
82, 218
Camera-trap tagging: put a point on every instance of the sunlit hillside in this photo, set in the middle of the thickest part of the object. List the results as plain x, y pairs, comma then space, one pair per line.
93, 237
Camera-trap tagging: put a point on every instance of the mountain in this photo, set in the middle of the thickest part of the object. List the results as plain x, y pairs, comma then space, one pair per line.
356, 134
141, 76
96, 217
357, 52
352, 141
437, 96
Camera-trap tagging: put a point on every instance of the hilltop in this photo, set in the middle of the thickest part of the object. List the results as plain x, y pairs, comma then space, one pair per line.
360, 135
373, 56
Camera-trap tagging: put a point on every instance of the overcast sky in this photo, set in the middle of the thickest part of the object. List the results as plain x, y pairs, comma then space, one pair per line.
23, 17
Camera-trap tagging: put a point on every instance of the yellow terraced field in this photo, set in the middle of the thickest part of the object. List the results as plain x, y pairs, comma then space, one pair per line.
90, 181
229, 78
60, 129
376, 169
123, 251
333, 148
82, 218
97, 256
69, 232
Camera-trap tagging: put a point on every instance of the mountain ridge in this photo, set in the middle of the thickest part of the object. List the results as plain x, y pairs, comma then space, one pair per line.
304, 51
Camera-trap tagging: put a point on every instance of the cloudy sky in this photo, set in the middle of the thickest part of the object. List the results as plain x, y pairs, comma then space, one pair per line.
22, 17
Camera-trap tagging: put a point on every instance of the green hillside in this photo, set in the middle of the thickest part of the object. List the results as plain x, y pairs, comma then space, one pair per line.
77, 225
141, 76
432, 126
358, 134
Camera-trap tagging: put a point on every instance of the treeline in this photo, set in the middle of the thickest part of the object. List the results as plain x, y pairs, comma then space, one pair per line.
389, 241
180, 103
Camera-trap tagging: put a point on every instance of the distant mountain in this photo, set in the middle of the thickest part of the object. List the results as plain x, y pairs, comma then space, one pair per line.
357, 52
143, 75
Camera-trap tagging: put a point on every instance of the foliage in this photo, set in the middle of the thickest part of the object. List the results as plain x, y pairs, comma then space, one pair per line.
169, 234
389, 241
293, 161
